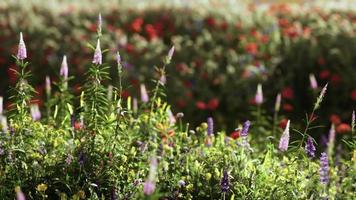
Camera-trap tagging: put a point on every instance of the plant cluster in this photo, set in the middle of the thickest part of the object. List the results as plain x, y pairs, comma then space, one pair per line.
98, 145
220, 59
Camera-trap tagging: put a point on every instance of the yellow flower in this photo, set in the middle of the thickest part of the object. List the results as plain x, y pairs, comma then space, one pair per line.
42, 187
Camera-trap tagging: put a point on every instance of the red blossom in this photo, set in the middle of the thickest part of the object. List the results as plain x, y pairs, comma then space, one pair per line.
200, 105
236, 134
151, 32
287, 107
343, 128
210, 21
136, 25
287, 93
213, 104
251, 48
353, 95
335, 119
181, 103
335, 79
324, 74
283, 123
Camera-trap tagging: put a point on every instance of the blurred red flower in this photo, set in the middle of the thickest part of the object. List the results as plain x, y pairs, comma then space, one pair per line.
210, 21
335, 119
213, 104
251, 48
287, 93
287, 107
353, 95
324, 74
343, 128
136, 25
283, 123
151, 32
181, 103
200, 105
335, 79
236, 134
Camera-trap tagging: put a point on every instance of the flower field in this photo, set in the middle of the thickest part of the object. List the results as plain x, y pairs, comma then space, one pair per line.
173, 103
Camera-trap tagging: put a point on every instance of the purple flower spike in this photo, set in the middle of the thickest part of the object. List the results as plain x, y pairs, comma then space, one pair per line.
259, 95
245, 127
21, 52
48, 85
225, 182
64, 69
310, 148
20, 195
284, 141
149, 187
118, 58
170, 54
313, 82
324, 169
97, 59
144, 95
210, 130
35, 112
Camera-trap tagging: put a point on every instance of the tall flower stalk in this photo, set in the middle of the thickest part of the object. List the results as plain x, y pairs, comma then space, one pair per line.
162, 73
284, 141
23, 90
311, 118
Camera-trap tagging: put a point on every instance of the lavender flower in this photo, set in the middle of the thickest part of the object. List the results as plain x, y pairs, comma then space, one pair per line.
20, 195
149, 187
225, 182
163, 80
245, 127
324, 168
118, 58
210, 129
1, 105
310, 148
64, 69
277, 105
259, 95
331, 140
181, 183
144, 95
172, 119
21, 52
97, 59
313, 82
48, 86
35, 112
170, 54
321, 97
69, 159
284, 141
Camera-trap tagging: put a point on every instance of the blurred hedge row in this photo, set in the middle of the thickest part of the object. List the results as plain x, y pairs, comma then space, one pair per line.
219, 59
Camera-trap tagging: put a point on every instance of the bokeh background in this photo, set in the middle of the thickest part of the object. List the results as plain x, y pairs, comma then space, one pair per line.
224, 49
